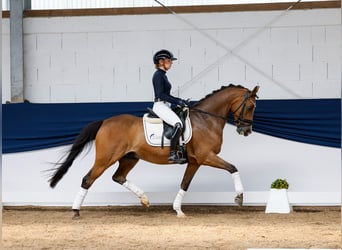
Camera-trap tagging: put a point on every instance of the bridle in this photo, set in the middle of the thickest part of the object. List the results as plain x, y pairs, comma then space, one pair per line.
240, 121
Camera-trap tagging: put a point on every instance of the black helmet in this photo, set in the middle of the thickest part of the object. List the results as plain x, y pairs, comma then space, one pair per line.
163, 54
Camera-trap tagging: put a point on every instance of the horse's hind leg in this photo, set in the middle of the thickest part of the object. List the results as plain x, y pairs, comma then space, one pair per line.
126, 164
80, 197
87, 181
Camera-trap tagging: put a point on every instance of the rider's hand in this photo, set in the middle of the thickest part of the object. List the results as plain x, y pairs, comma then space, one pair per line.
183, 103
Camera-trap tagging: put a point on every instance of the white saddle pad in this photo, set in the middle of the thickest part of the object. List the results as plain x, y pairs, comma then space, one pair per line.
153, 128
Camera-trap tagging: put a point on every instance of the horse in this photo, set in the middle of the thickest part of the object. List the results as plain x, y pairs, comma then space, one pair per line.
121, 139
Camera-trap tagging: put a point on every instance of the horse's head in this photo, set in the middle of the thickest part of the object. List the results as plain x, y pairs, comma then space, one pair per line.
243, 111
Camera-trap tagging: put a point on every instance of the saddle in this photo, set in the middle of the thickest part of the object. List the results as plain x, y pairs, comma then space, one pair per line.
167, 132
159, 133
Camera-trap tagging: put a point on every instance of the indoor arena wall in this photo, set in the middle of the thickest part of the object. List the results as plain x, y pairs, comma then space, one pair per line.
290, 55
294, 54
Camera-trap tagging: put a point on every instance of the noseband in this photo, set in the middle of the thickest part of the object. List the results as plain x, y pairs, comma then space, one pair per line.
240, 121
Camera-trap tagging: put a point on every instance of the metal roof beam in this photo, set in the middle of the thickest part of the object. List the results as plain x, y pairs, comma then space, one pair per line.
16, 51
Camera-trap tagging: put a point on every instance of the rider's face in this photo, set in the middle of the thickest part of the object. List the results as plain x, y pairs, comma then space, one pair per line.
166, 64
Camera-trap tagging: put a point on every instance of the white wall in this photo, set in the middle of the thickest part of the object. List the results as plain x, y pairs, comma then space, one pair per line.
312, 171
108, 58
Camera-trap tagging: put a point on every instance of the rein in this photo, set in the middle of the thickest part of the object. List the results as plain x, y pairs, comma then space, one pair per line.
208, 113
240, 120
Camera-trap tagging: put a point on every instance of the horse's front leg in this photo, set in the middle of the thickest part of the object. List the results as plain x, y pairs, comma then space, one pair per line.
215, 161
190, 171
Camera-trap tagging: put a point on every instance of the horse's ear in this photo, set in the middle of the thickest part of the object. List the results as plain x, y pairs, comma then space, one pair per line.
255, 91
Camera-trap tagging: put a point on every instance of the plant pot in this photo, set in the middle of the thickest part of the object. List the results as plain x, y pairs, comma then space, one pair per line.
278, 202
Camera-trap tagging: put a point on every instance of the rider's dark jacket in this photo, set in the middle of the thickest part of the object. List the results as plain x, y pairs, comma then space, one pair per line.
162, 88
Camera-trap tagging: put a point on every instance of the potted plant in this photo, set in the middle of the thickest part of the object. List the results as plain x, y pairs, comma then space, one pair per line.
278, 201
280, 184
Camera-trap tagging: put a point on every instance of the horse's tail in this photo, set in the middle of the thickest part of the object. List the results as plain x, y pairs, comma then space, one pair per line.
87, 134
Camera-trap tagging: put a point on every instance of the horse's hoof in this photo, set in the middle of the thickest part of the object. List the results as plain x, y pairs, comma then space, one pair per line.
180, 214
75, 217
239, 199
76, 214
144, 201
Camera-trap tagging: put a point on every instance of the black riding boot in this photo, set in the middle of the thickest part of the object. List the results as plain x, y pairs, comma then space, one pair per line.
174, 156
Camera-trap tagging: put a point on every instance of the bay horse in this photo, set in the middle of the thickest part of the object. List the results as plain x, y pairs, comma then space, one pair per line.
208, 118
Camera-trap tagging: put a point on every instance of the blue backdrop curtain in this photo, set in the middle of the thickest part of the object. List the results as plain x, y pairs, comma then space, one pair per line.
29, 126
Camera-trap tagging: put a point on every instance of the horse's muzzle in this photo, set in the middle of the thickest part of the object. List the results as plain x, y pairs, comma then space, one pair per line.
244, 130
244, 126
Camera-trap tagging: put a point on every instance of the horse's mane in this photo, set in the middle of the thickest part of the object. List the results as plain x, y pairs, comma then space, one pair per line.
216, 91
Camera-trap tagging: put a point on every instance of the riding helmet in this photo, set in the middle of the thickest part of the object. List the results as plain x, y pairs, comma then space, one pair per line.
163, 54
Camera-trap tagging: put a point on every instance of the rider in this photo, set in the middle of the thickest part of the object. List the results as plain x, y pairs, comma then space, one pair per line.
163, 100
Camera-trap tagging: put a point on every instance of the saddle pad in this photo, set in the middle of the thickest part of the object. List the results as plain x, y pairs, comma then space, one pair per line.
153, 128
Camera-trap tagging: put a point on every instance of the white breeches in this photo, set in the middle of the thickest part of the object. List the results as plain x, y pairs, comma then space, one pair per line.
163, 110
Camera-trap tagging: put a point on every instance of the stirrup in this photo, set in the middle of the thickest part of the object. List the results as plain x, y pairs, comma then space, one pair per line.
175, 158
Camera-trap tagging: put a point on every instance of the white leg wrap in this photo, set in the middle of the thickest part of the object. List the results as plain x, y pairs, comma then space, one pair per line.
130, 186
177, 204
79, 198
237, 182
